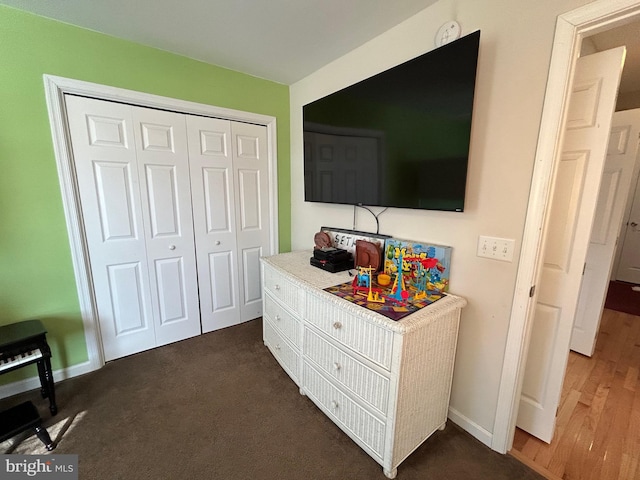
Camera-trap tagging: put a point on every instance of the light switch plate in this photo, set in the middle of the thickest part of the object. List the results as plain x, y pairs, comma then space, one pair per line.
496, 248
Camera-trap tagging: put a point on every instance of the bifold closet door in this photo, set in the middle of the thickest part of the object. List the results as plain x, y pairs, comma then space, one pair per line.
229, 182
132, 171
251, 173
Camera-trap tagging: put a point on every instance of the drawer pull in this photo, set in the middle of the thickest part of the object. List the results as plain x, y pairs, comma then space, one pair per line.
337, 325
337, 366
334, 404
277, 347
276, 287
277, 317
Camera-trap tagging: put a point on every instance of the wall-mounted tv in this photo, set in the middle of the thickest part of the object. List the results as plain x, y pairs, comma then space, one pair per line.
399, 138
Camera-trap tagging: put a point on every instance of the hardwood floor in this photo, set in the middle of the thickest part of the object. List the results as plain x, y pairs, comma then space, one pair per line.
598, 422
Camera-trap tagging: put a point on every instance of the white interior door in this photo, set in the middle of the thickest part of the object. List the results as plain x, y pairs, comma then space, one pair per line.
612, 199
230, 185
251, 174
566, 236
102, 136
163, 170
213, 191
132, 172
628, 269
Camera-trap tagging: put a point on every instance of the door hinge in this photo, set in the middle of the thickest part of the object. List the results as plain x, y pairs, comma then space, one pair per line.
532, 290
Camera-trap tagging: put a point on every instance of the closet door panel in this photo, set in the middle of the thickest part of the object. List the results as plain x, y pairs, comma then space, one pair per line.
163, 165
216, 200
117, 220
127, 297
223, 296
251, 173
171, 280
102, 137
249, 196
251, 276
162, 200
213, 193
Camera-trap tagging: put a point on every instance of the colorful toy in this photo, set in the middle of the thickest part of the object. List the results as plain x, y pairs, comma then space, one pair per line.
398, 291
374, 296
363, 277
415, 275
421, 282
424, 268
363, 285
420, 273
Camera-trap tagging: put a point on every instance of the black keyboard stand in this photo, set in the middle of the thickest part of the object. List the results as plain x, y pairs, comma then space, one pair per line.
29, 335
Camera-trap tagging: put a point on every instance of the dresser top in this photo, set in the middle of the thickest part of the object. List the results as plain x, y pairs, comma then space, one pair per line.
296, 265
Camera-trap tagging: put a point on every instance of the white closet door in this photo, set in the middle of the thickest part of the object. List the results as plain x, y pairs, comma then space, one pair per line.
251, 173
102, 135
163, 168
230, 191
133, 178
212, 185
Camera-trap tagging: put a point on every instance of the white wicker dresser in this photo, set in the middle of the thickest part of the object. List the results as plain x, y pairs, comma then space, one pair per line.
385, 383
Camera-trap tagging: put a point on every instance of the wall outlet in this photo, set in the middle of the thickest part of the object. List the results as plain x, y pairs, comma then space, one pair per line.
496, 248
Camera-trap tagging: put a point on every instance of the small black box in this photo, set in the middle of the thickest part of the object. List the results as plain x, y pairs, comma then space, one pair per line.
332, 267
331, 254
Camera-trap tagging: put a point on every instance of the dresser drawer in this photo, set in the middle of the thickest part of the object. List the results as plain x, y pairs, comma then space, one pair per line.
287, 324
284, 353
282, 289
366, 338
361, 425
364, 382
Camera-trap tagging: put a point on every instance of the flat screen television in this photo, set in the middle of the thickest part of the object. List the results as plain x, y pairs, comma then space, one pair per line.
396, 139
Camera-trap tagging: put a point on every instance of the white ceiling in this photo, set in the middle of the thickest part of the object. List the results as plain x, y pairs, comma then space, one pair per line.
279, 40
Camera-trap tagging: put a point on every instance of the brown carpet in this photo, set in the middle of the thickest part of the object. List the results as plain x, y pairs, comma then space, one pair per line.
218, 406
621, 298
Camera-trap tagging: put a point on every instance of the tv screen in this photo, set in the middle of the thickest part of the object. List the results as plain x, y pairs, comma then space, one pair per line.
399, 138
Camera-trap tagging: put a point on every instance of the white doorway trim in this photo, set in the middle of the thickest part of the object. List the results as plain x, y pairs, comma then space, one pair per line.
55, 89
571, 28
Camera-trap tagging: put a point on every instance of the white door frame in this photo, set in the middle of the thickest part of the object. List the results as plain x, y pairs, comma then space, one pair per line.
571, 28
55, 89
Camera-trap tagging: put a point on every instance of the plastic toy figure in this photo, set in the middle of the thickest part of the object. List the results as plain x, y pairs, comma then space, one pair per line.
398, 291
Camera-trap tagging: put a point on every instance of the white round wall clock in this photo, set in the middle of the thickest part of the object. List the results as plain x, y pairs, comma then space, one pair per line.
448, 32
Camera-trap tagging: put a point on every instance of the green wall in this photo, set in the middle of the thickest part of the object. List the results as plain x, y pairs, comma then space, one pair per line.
36, 273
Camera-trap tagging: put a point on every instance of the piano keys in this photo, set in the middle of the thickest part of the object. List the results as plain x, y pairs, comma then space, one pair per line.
8, 362
25, 343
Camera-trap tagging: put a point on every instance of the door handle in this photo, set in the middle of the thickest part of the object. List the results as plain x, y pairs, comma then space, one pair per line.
633, 225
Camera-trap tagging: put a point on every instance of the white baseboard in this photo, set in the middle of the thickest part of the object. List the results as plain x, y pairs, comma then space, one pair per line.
33, 383
473, 428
